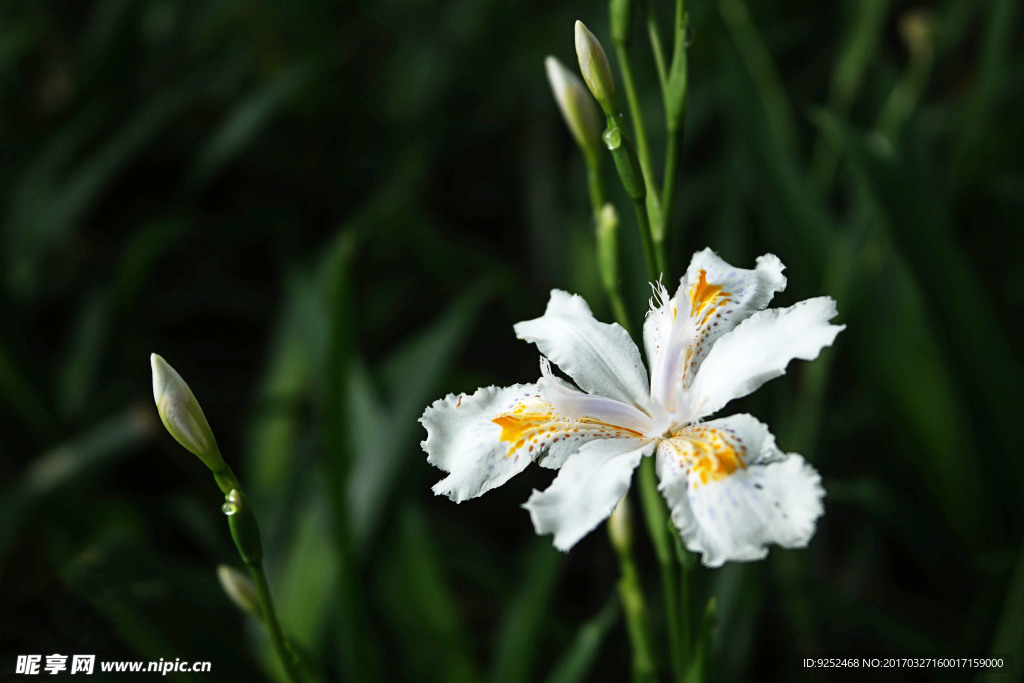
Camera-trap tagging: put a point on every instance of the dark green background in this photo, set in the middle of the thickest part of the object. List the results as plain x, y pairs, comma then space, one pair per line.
327, 215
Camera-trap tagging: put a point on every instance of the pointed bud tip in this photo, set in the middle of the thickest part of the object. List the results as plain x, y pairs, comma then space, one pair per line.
620, 526
556, 76
180, 412
577, 107
595, 69
584, 38
916, 29
168, 386
156, 363
609, 217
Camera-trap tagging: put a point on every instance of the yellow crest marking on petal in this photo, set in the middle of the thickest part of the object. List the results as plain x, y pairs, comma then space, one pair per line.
524, 424
518, 426
711, 454
705, 298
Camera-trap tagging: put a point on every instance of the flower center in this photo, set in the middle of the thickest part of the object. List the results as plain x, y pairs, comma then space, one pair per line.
663, 421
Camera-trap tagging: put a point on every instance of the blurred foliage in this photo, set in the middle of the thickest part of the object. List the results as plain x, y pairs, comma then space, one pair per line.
327, 215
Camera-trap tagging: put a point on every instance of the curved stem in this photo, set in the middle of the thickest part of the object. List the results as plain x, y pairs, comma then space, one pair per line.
284, 650
245, 532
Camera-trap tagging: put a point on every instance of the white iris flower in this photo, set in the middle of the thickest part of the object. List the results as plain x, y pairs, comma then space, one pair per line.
730, 489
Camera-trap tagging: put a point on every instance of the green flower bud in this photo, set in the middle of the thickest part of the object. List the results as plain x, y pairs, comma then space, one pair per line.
577, 108
244, 528
608, 246
595, 69
676, 89
239, 589
181, 414
917, 31
620, 526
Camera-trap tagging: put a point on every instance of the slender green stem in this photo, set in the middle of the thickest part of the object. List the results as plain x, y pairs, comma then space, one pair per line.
670, 588
668, 189
657, 525
284, 650
245, 531
656, 46
654, 512
676, 100
595, 187
225, 478
635, 609
655, 265
685, 617
643, 151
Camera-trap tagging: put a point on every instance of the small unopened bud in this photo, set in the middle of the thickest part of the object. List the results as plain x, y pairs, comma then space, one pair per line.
676, 89
916, 28
608, 247
180, 412
577, 108
238, 587
620, 527
595, 69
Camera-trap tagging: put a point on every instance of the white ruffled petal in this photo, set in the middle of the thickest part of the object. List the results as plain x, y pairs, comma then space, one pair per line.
601, 358
759, 349
463, 439
586, 490
713, 297
732, 492
485, 439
